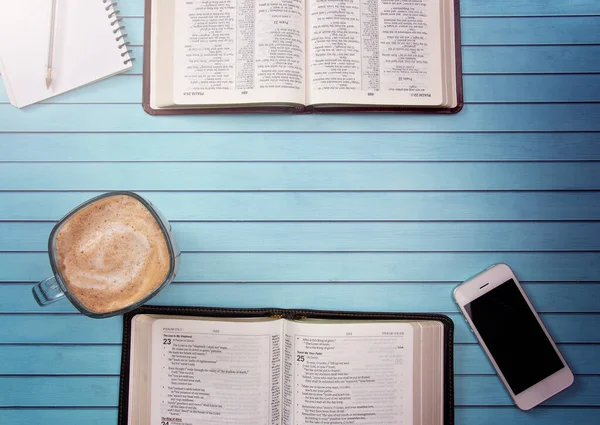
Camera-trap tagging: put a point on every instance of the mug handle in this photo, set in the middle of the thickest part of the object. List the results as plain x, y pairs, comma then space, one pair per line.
47, 291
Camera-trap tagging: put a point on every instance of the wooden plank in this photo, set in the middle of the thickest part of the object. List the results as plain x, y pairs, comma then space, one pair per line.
52, 329
303, 146
369, 236
469, 8
469, 359
487, 30
103, 391
529, 59
528, 8
69, 416
474, 118
60, 391
464, 415
300, 176
60, 360
488, 390
532, 88
78, 329
487, 88
423, 297
541, 415
344, 267
532, 30
328, 206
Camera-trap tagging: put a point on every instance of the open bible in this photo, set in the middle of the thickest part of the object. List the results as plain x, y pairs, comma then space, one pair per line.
302, 56
184, 369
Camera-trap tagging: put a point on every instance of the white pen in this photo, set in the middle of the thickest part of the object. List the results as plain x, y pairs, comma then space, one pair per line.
51, 45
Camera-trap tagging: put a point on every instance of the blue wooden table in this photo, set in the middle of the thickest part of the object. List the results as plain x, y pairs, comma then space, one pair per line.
373, 212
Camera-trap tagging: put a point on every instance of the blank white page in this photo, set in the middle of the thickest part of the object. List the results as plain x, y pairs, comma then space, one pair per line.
86, 49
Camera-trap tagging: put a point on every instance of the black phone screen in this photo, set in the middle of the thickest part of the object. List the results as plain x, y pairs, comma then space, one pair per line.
513, 336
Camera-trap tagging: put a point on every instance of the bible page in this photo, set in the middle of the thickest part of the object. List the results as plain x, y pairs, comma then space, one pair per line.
238, 51
377, 52
358, 373
216, 373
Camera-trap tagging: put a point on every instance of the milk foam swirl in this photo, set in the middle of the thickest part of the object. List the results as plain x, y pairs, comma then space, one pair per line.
110, 258
112, 253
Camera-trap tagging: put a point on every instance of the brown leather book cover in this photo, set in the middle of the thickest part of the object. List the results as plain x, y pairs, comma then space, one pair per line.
298, 109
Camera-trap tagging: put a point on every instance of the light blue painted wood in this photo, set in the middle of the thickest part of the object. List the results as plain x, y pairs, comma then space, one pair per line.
488, 88
344, 267
61, 360
60, 391
488, 390
533, 30
468, 8
539, 416
105, 359
328, 206
301, 176
479, 117
102, 391
527, 8
543, 41
70, 416
301, 147
530, 59
464, 415
532, 88
78, 329
395, 236
423, 297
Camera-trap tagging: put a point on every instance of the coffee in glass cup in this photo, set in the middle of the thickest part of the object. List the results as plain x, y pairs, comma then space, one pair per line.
109, 255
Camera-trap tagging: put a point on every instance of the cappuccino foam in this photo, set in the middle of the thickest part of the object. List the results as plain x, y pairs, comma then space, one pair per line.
112, 253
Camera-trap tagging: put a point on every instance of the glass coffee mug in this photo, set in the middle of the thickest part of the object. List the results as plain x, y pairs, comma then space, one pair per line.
116, 243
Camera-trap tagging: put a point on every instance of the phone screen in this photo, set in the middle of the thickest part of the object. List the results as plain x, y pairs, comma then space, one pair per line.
513, 336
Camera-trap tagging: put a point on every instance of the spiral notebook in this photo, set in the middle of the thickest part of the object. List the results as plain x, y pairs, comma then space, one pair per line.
90, 45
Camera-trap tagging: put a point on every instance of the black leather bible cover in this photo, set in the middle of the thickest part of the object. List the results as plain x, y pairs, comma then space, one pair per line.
291, 314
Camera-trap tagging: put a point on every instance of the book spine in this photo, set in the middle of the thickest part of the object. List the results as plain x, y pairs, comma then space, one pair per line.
118, 30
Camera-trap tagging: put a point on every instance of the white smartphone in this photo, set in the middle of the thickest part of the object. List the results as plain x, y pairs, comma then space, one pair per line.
513, 336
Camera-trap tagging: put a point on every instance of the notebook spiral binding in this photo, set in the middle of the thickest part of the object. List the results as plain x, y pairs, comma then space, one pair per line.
115, 19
